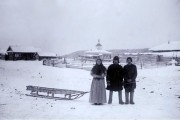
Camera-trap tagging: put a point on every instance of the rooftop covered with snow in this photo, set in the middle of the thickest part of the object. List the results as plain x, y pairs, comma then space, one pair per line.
23, 49
167, 47
97, 52
48, 54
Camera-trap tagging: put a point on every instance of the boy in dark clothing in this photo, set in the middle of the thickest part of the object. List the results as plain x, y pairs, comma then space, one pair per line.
130, 74
115, 79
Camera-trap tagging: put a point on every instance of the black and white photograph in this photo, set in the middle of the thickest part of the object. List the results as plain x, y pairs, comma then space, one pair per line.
89, 59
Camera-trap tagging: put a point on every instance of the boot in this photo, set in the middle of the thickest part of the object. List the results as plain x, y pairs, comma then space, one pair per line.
120, 97
110, 97
132, 98
127, 97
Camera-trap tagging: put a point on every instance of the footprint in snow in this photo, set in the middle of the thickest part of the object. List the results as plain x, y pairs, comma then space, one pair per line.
152, 92
73, 108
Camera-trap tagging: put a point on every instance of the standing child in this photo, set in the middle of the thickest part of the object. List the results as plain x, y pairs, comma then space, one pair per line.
115, 80
98, 91
130, 74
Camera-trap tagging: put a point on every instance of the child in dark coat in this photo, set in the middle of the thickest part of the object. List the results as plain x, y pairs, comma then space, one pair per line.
130, 74
115, 80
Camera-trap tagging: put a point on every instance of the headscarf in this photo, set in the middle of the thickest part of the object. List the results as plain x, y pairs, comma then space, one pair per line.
98, 69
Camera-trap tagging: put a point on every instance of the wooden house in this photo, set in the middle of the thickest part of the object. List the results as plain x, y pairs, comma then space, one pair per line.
169, 50
22, 53
46, 55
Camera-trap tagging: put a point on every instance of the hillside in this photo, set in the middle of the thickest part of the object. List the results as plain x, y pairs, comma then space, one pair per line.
75, 54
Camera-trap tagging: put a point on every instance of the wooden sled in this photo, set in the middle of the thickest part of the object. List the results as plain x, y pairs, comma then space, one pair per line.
50, 93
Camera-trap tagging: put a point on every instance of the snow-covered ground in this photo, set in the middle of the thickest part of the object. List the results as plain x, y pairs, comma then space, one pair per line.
155, 96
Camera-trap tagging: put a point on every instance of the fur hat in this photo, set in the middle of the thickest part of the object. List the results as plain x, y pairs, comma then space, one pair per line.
116, 58
129, 58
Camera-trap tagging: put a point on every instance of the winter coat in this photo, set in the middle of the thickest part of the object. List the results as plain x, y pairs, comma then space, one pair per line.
114, 77
130, 74
98, 91
98, 71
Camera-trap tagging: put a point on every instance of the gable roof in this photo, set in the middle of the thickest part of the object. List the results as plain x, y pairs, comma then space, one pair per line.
169, 46
22, 49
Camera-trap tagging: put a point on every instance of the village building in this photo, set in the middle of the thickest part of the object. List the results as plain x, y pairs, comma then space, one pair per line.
169, 51
22, 53
27, 53
170, 46
46, 55
97, 53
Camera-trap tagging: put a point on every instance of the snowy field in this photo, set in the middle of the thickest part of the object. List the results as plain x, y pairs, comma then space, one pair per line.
155, 96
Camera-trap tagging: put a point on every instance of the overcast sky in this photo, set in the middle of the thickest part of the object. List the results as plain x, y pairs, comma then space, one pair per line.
65, 26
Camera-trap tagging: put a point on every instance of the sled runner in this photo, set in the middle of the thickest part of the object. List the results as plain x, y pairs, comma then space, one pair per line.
51, 92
